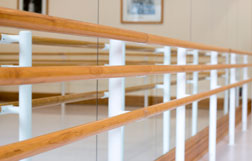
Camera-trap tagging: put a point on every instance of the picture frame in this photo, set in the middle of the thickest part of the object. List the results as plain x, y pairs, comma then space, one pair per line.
36, 6
142, 11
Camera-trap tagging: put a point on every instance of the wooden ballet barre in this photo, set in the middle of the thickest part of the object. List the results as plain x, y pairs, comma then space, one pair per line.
87, 44
83, 54
43, 143
33, 21
54, 100
37, 40
87, 62
147, 54
65, 61
32, 75
69, 98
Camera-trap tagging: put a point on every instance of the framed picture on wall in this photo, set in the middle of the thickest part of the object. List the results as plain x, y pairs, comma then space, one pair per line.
37, 6
142, 11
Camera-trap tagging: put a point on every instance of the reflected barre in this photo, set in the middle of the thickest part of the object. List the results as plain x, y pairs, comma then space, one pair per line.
33, 75
69, 98
37, 145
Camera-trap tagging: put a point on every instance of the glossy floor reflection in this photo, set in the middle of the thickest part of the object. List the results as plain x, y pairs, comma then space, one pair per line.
143, 139
241, 151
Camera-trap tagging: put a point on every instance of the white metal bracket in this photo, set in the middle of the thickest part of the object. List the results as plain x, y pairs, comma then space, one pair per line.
190, 52
106, 47
9, 109
8, 39
159, 50
106, 95
10, 66
159, 86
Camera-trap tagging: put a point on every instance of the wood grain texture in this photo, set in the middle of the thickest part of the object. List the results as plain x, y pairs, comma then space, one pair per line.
32, 75
197, 146
33, 21
30, 147
129, 54
76, 97
130, 100
79, 62
83, 54
38, 40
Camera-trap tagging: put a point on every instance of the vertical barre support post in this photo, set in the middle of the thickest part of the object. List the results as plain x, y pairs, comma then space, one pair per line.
245, 95
116, 101
195, 91
213, 108
226, 83
232, 102
25, 91
166, 98
180, 111
237, 93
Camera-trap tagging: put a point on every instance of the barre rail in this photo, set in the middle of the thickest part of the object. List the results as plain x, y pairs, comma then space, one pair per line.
85, 96
37, 40
149, 54
85, 62
33, 21
27, 148
33, 75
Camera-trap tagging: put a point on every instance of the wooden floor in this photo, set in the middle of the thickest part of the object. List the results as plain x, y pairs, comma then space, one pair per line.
241, 151
143, 139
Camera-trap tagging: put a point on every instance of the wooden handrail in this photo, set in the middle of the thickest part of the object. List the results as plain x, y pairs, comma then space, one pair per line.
89, 61
69, 98
82, 54
37, 145
82, 61
87, 44
37, 40
32, 75
33, 21
147, 54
